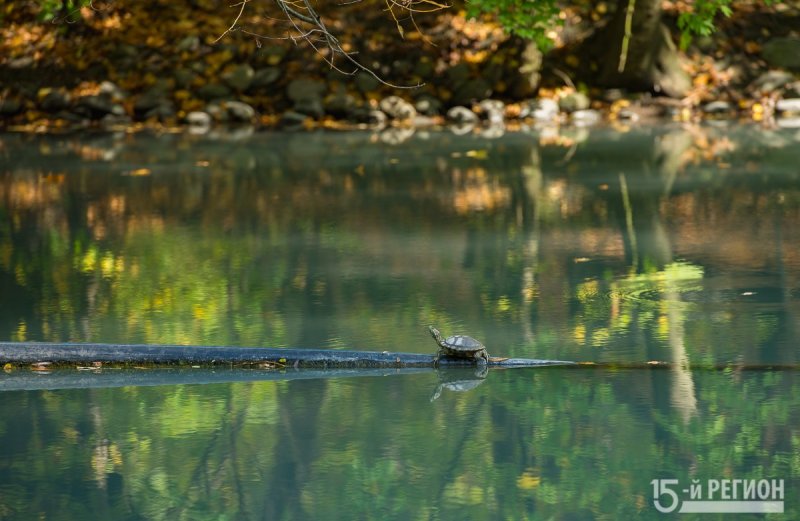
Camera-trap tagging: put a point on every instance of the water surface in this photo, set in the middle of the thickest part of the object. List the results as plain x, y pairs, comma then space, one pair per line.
671, 244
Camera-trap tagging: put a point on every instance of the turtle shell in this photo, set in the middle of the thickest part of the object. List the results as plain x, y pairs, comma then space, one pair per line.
462, 344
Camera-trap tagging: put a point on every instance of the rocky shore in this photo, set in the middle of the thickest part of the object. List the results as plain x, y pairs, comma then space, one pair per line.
199, 84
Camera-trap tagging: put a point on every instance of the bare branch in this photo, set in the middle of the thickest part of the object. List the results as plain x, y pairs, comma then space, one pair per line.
243, 3
307, 25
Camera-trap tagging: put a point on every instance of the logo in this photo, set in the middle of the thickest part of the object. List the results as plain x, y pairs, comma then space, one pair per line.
719, 496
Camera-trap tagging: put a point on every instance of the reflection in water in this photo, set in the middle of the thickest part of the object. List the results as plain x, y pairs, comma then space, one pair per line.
663, 244
331, 240
536, 443
460, 380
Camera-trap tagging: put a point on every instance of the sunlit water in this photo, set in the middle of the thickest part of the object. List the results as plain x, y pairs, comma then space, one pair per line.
670, 245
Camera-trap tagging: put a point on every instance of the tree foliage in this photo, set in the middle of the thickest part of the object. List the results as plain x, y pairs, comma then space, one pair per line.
529, 19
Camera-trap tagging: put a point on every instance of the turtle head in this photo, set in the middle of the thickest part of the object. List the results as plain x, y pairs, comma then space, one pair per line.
435, 334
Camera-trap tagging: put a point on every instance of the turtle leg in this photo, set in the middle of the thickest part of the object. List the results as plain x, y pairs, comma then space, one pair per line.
482, 357
437, 357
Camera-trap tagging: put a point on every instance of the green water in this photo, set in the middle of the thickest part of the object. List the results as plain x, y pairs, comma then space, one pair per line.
677, 245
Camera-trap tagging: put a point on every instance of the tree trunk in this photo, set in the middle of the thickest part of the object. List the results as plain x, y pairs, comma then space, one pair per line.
651, 62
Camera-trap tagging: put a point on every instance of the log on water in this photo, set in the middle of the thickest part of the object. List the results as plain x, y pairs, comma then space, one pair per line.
156, 354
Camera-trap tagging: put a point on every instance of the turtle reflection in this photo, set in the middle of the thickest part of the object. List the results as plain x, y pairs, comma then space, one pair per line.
459, 379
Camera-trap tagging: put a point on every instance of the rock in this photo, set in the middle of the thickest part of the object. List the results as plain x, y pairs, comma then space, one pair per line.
162, 111
788, 107
493, 111
544, 109
428, 105
184, 78
189, 44
717, 107
213, 91
373, 117
119, 111
22, 62
115, 120
55, 100
95, 106
340, 103
112, 90
792, 90
366, 82
217, 112
198, 119
612, 95
574, 101
457, 74
240, 112
265, 76
154, 103
771, 81
68, 116
585, 117
239, 78
460, 114
782, 52
291, 120
310, 107
149, 100
10, 106
471, 91
303, 89
397, 108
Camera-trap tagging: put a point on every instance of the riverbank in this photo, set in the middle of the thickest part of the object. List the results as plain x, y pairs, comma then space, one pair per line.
113, 68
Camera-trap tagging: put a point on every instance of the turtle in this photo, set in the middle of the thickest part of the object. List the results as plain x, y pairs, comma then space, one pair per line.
459, 380
459, 346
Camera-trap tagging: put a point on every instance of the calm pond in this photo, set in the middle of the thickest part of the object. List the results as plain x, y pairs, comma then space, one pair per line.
671, 244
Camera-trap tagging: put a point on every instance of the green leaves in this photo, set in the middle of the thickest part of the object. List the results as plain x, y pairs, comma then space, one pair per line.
526, 18
700, 21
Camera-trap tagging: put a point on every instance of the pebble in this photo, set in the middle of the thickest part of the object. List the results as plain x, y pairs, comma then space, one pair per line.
310, 107
239, 78
788, 106
291, 120
460, 114
303, 89
198, 119
10, 106
717, 107
240, 112
56, 100
95, 106
428, 105
544, 109
574, 101
213, 91
493, 111
585, 117
397, 108
265, 76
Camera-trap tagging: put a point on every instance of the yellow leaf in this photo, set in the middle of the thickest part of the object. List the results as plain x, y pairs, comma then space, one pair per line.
138, 172
477, 154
